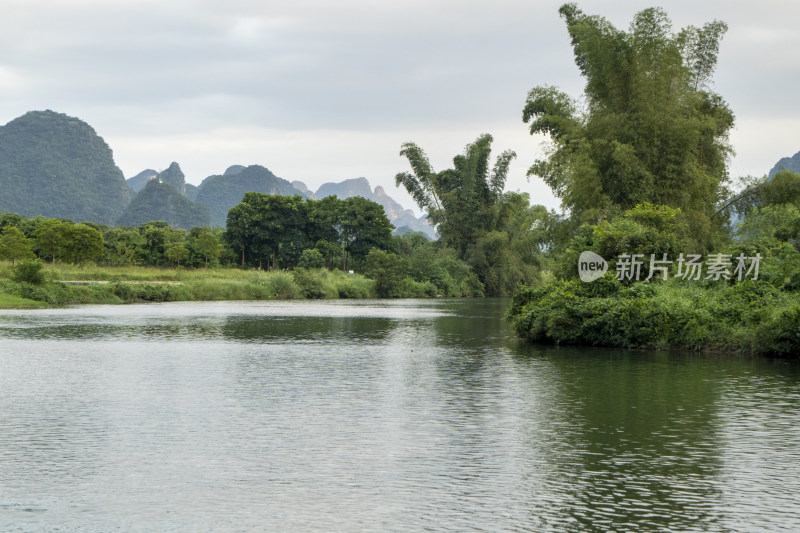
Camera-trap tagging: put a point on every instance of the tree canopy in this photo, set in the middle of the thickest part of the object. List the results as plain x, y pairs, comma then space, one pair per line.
459, 201
274, 230
488, 229
14, 245
650, 130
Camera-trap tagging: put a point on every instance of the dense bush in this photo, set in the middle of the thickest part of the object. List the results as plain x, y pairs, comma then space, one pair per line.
749, 317
149, 292
646, 229
29, 272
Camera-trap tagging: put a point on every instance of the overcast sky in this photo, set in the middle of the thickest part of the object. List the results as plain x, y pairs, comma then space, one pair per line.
324, 91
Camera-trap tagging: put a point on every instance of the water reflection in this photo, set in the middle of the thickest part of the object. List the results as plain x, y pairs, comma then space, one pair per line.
376, 415
641, 453
282, 329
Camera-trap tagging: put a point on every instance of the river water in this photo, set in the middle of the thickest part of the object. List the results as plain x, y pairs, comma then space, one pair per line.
408, 415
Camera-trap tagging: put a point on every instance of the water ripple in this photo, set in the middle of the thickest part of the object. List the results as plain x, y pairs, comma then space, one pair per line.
405, 417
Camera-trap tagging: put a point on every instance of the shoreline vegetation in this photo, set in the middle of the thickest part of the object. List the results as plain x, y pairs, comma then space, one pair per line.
70, 284
747, 318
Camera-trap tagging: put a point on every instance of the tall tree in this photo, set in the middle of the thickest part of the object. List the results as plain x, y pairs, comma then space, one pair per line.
363, 226
651, 129
207, 244
239, 228
14, 245
459, 201
489, 230
81, 244
268, 229
50, 237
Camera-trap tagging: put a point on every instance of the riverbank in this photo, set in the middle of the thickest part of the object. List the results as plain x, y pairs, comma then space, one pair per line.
69, 284
9, 301
750, 317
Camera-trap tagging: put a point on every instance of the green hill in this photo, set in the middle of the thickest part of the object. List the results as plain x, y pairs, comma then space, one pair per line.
220, 193
57, 166
159, 200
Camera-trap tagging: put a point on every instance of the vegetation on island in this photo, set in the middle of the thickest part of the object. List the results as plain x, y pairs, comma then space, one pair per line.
642, 171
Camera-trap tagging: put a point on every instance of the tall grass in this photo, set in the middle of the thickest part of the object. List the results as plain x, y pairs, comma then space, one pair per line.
149, 284
322, 283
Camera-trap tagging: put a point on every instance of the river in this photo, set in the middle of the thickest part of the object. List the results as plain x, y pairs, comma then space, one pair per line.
378, 415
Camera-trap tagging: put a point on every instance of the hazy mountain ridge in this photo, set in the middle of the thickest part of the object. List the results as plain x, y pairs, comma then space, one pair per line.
57, 166
398, 215
138, 182
788, 163
175, 177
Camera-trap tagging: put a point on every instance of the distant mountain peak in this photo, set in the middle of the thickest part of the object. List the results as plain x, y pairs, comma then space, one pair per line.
788, 163
160, 200
303, 188
175, 177
233, 170
346, 189
398, 215
137, 182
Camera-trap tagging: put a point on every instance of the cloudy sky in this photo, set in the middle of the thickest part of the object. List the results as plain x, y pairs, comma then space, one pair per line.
323, 91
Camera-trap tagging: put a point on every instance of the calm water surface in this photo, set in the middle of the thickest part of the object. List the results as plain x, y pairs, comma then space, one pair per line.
378, 416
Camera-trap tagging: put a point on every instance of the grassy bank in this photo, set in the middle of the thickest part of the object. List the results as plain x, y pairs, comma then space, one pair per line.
144, 284
751, 317
9, 301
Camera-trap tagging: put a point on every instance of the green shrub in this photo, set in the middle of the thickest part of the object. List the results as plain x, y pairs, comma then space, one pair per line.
311, 258
354, 286
471, 287
781, 334
283, 286
314, 283
751, 316
149, 292
389, 272
29, 272
409, 288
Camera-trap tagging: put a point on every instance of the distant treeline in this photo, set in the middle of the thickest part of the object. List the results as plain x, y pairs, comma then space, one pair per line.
269, 232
